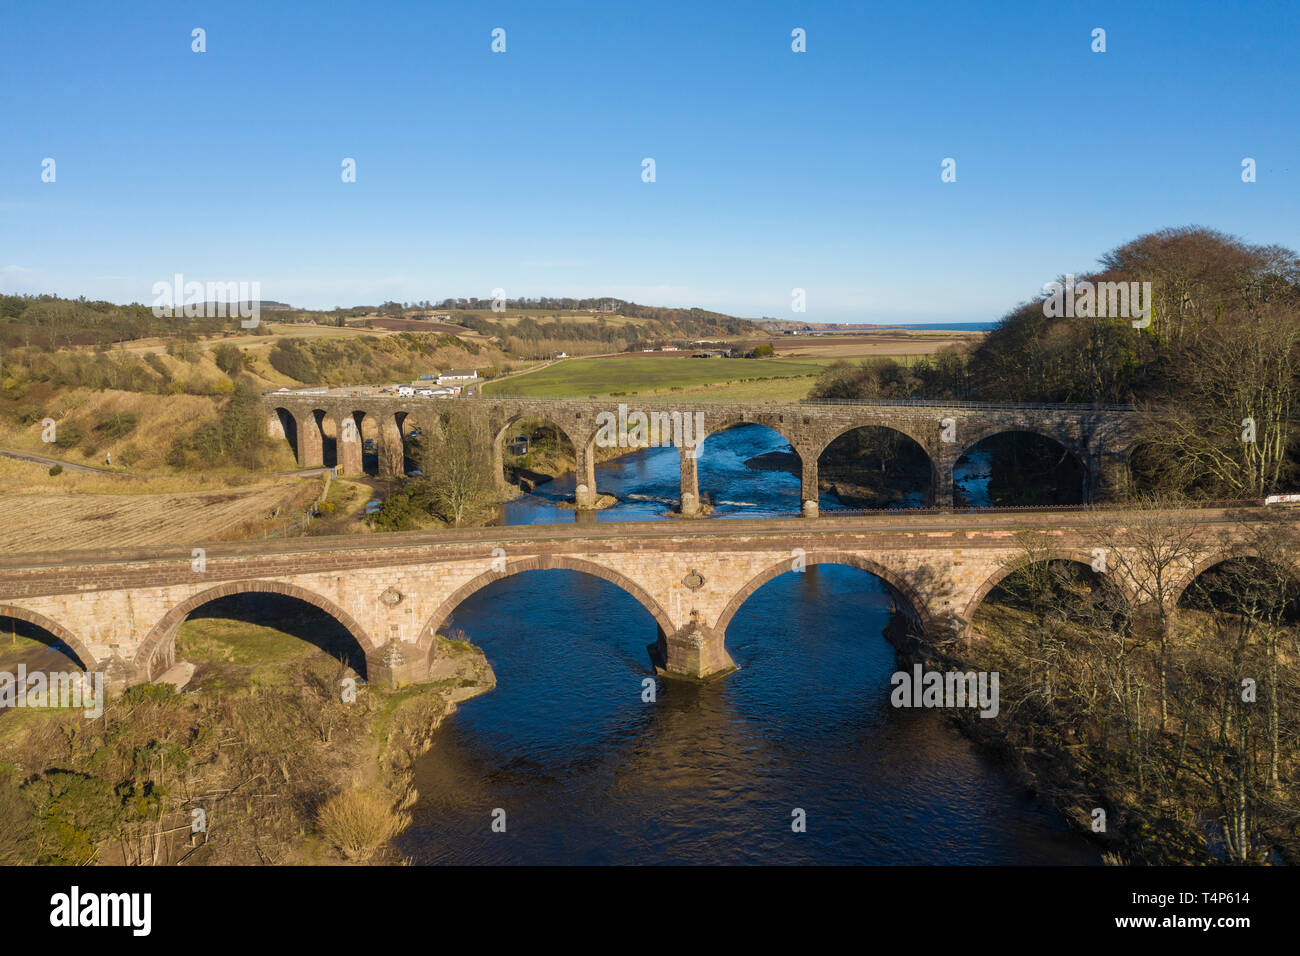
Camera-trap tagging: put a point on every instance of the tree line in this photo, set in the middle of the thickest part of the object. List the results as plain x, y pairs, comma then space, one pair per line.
1218, 363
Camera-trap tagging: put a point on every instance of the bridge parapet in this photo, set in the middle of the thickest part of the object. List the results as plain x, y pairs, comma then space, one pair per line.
395, 592
1099, 437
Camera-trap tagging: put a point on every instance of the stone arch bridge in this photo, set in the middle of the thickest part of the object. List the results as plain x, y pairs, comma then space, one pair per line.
1100, 437
119, 612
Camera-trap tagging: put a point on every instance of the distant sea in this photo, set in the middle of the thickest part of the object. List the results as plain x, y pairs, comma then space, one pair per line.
952, 326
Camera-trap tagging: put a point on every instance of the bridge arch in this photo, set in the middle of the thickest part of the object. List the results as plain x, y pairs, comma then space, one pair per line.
872, 423
732, 420
162, 637
580, 446
282, 425
1073, 556
1074, 465
919, 606
74, 643
1061, 435
1211, 561
907, 458
499, 431
539, 563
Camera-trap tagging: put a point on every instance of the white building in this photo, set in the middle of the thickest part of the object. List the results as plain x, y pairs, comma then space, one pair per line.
458, 376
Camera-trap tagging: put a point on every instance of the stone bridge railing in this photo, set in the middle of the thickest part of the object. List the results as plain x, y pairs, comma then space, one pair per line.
1101, 437
120, 611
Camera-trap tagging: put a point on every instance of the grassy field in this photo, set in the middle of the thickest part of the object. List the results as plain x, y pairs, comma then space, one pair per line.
635, 375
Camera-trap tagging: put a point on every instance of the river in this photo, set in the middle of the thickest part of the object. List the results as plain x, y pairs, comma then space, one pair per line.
586, 771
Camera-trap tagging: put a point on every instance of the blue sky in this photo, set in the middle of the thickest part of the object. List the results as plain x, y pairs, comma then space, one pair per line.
522, 170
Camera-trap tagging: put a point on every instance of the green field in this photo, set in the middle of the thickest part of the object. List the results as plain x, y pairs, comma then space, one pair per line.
628, 376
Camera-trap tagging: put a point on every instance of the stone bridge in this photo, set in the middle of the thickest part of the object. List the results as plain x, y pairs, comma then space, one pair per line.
119, 612
1100, 438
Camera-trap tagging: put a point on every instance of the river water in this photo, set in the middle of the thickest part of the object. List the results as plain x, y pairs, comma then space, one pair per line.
585, 770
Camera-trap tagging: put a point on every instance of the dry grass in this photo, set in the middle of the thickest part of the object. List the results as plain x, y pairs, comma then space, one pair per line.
40, 520
890, 344
359, 822
159, 420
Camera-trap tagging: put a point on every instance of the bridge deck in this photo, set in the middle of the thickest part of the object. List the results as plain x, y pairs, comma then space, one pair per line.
987, 528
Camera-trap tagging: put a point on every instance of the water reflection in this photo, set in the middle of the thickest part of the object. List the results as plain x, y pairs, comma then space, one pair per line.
588, 772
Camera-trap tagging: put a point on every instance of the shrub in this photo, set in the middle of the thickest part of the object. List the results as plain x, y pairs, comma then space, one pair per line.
289, 358
75, 811
228, 358
56, 470
359, 823
68, 435
117, 424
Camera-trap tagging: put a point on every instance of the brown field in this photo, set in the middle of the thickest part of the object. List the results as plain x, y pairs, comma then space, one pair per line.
870, 344
37, 518
420, 325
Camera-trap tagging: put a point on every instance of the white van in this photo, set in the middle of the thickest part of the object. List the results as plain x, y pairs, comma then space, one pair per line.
405, 391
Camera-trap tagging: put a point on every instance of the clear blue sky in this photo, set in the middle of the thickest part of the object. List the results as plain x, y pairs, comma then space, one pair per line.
522, 170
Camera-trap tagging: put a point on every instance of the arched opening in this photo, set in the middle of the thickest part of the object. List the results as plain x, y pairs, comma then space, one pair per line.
419, 440
746, 470
1258, 591
268, 620
911, 602
368, 434
565, 740
441, 617
873, 466
329, 439
1049, 597
533, 451
288, 426
1018, 469
413, 449
35, 643
247, 633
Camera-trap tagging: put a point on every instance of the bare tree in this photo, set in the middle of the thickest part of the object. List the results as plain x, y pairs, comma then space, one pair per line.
1233, 431
1151, 553
458, 466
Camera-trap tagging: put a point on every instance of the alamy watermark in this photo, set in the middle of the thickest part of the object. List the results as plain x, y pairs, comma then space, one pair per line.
62, 689
1099, 300
638, 429
212, 300
922, 688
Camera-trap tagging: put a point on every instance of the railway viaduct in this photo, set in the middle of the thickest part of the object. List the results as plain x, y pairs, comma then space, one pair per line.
1101, 438
119, 611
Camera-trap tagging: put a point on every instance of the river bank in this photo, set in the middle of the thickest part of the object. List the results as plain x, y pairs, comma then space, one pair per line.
275, 752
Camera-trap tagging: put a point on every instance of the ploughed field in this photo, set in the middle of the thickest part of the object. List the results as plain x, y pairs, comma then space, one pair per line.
70, 522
